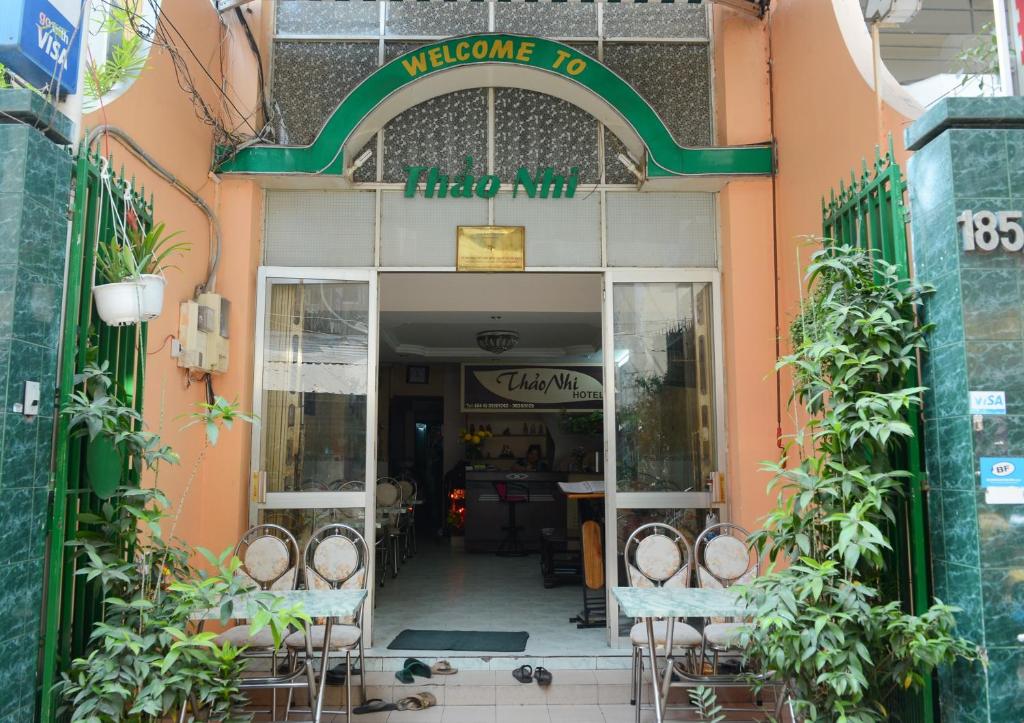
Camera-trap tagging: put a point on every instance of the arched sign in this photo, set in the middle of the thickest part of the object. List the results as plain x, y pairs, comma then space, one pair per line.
499, 60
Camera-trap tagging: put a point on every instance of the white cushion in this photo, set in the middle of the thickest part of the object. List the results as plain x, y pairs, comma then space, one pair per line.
240, 635
726, 557
682, 634
342, 636
658, 557
723, 635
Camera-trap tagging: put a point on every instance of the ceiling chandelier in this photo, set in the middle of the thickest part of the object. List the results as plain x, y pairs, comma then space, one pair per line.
497, 341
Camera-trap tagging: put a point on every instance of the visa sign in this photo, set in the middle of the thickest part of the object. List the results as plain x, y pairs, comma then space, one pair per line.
38, 42
981, 402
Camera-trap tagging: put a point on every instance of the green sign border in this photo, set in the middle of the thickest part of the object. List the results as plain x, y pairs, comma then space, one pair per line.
665, 157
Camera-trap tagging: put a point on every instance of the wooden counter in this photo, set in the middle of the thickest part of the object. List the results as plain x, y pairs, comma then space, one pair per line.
486, 514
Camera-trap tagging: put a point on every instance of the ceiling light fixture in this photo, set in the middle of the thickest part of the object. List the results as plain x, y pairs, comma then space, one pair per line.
497, 341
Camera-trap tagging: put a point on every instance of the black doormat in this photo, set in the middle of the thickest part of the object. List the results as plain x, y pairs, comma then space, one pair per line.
491, 642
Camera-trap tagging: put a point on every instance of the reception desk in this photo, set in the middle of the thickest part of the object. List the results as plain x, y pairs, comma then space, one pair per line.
486, 514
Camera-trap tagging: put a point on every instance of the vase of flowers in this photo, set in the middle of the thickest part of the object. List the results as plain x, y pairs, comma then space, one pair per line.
472, 439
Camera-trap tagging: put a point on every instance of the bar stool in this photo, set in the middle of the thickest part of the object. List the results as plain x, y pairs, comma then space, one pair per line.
512, 494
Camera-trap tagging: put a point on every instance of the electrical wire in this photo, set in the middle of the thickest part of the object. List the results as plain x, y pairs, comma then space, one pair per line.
154, 165
259, 63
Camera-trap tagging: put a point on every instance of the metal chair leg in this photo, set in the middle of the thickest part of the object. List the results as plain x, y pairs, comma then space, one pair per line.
632, 680
362, 671
640, 684
348, 686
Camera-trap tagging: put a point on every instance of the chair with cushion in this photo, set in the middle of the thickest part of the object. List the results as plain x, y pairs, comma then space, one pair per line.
336, 558
657, 555
270, 561
724, 559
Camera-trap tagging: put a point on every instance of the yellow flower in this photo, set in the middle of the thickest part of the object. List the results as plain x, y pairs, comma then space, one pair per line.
476, 439
467, 437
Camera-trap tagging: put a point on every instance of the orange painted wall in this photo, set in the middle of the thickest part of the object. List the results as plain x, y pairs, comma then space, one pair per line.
823, 116
161, 118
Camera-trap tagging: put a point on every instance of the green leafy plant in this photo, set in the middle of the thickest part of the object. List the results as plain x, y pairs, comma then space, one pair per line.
705, 702
146, 657
116, 261
152, 248
821, 624
126, 57
978, 64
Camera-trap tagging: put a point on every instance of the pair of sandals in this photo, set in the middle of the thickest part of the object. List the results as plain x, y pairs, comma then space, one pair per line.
526, 674
420, 701
416, 667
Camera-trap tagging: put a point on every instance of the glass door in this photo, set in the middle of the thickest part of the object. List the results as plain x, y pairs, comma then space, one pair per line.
315, 381
663, 390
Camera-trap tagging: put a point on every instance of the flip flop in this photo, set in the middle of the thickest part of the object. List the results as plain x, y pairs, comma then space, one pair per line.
443, 667
417, 667
524, 673
374, 705
542, 676
336, 675
420, 701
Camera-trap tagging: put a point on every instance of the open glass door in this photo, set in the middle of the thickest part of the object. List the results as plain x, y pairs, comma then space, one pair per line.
315, 381
663, 430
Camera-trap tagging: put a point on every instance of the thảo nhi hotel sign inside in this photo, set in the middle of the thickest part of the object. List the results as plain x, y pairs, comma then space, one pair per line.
517, 387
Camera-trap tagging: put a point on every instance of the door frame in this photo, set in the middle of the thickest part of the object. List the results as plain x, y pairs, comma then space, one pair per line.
266, 276
614, 500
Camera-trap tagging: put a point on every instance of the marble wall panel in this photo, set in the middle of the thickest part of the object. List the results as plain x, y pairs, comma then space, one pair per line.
301, 17
571, 19
455, 17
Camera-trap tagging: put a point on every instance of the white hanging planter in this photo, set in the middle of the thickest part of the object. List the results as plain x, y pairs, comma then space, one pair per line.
152, 295
120, 304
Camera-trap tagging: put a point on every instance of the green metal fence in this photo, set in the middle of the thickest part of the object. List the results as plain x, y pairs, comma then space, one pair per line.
101, 199
870, 213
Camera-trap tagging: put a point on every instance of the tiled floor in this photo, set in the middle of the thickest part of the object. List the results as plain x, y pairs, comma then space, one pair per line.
509, 714
440, 589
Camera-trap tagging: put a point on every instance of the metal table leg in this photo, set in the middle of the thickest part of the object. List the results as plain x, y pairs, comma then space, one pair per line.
652, 648
323, 671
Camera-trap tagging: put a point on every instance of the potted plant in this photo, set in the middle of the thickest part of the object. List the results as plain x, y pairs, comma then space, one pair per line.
133, 268
152, 249
119, 299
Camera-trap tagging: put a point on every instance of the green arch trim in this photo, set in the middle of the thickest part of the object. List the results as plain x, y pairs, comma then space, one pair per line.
665, 157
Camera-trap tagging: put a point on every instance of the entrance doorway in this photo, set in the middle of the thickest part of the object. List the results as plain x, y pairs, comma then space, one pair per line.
510, 366
361, 375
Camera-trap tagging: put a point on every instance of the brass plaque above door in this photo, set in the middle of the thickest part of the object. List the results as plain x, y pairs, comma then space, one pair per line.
490, 248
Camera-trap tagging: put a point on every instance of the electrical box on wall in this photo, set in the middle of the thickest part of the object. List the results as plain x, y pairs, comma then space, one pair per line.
203, 333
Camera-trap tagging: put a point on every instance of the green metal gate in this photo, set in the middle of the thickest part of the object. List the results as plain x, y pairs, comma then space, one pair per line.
101, 199
870, 213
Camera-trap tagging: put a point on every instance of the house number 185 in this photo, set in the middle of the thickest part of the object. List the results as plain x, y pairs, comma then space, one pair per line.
986, 230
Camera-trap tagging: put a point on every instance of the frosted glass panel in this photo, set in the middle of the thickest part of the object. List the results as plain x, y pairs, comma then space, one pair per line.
310, 79
421, 231
655, 20
307, 17
451, 17
570, 19
559, 231
319, 228
662, 229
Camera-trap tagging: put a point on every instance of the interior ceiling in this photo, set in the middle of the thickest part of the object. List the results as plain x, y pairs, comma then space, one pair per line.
435, 317
929, 44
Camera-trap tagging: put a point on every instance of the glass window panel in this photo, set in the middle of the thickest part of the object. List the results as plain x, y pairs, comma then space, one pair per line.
559, 231
314, 386
451, 17
571, 19
302, 523
312, 78
440, 132
661, 229
319, 228
421, 231
675, 80
663, 386
305, 17
655, 20
536, 130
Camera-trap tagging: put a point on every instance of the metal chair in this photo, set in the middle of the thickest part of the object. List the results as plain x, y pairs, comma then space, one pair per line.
513, 494
336, 558
389, 508
657, 555
723, 560
270, 561
408, 519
